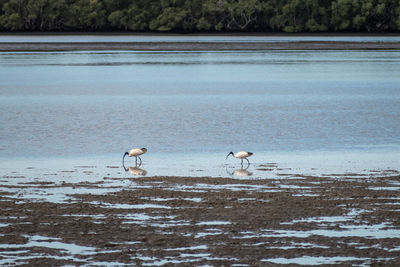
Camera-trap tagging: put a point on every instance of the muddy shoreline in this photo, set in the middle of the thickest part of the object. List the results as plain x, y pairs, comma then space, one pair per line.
204, 220
195, 46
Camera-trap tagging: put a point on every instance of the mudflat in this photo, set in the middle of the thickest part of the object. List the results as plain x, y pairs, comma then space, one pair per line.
196, 46
348, 219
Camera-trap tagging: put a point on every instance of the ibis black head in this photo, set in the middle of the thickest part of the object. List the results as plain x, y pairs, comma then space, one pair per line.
144, 149
230, 153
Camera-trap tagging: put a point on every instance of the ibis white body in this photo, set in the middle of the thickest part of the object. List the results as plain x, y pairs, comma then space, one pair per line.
241, 155
135, 152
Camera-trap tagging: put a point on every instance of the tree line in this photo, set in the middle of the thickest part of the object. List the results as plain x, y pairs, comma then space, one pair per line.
201, 15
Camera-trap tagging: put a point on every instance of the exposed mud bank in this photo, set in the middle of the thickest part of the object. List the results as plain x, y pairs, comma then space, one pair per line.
202, 220
198, 46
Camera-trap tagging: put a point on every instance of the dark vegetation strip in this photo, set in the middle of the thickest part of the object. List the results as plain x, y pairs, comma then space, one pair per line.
201, 15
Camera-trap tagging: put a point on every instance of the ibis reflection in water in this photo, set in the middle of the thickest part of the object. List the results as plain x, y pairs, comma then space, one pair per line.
243, 172
135, 152
136, 171
241, 155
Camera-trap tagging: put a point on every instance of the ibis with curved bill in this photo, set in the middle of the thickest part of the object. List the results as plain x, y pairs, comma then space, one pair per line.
135, 152
241, 155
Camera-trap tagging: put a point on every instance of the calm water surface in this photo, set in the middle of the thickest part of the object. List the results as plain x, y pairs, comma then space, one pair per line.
199, 104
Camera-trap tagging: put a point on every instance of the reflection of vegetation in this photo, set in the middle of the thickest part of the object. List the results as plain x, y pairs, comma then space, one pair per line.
201, 15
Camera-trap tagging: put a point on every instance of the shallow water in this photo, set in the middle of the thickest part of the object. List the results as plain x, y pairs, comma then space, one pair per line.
93, 104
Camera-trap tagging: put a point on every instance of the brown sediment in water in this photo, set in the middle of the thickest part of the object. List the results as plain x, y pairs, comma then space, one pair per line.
207, 221
196, 46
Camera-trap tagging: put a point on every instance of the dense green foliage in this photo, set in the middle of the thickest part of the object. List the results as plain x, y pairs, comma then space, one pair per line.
200, 15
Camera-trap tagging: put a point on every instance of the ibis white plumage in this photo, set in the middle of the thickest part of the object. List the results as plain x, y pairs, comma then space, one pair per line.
241, 155
135, 152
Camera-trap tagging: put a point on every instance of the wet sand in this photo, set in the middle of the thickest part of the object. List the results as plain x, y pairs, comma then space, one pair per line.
197, 46
348, 219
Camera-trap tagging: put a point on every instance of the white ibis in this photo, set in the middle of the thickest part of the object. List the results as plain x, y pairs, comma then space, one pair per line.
135, 152
240, 155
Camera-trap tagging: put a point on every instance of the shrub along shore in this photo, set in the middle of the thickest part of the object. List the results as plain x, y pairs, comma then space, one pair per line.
201, 15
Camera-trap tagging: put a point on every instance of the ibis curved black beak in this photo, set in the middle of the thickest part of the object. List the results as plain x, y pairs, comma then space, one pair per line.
230, 153
123, 158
